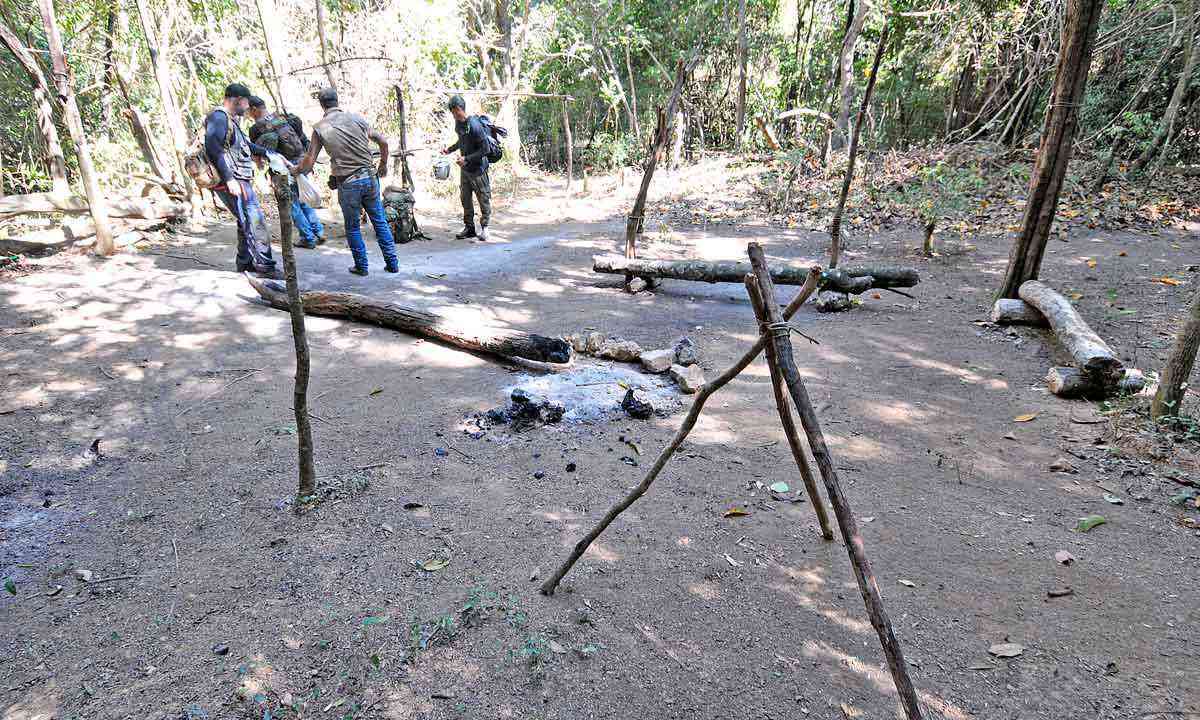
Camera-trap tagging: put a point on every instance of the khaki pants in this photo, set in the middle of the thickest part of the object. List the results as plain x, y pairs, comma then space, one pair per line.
471, 187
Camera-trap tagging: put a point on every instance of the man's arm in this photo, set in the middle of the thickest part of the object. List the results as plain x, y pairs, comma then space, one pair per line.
382, 142
452, 148
310, 158
216, 128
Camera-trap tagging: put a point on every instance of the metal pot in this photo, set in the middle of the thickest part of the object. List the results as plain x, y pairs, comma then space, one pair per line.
441, 169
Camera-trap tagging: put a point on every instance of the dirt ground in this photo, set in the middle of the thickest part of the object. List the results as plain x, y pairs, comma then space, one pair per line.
209, 598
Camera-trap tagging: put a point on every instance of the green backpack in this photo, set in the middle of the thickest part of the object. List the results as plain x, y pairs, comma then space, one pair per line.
399, 207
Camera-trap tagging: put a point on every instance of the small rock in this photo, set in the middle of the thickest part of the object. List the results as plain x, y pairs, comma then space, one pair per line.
637, 285
637, 408
539, 475
829, 301
685, 352
620, 350
1006, 650
220, 649
556, 647
1063, 557
578, 342
84, 575
657, 361
570, 467
593, 342
1063, 465
689, 379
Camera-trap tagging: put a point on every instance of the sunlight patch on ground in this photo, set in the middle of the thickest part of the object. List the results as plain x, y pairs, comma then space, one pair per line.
39, 704
540, 287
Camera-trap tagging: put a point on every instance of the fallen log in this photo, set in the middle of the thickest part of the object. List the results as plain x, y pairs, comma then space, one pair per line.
13, 205
1017, 312
1071, 383
732, 271
1094, 358
464, 334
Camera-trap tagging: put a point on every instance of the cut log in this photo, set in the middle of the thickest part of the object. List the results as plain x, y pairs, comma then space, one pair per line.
733, 271
1069, 382
1092, 355
12, 205
465, 334
1017, 312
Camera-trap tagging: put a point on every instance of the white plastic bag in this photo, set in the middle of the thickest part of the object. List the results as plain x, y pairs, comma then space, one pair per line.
278, 163
310, 195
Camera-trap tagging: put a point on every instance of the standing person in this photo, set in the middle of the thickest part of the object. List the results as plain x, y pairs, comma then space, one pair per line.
347, 137
473, 179
230, 151
281, 133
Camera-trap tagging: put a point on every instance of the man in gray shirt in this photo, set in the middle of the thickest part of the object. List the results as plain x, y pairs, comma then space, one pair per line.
347, 137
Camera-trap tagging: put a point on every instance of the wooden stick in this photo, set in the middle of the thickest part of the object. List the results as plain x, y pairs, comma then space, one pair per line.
780, 344
785, 413
581, 547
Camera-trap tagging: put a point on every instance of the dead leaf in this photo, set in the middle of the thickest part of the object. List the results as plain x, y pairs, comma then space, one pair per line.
1010, 436
1167, 281
1060, 592
851, 712
434, 564
1122, 254
292, 643
376, 391
1091, 263
1113, 499
1089, 522
736, 512
1063, 557
907, 583
1063, 465
1006, 650
1025, 418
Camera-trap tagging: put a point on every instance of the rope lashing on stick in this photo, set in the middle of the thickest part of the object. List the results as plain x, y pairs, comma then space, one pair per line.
784, 325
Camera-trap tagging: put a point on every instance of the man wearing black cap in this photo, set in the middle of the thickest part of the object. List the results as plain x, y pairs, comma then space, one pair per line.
230, 151
347, 137
473, 180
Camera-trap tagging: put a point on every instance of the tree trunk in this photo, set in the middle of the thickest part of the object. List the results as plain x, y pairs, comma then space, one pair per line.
405, 173
66, 93
566, 119
158, 43
1092, 355
1050, 169
1166, 126
846, 73
742, 53
469, 334
321, 35
1174, 380
56, 161
732, 271
267, 9
281, 185
633, 109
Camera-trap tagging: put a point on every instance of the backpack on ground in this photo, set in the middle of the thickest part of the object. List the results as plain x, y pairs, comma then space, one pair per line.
196, 162
494, 133
399, 207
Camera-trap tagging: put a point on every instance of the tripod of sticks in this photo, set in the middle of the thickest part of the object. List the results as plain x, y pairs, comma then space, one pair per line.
775, 338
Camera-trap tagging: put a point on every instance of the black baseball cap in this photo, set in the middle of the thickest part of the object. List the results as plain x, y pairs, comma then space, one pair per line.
328, 97
237, 90
257, 102
457, 101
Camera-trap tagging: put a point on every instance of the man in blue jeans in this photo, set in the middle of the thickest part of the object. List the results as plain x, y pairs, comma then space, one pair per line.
347, 137
312, 232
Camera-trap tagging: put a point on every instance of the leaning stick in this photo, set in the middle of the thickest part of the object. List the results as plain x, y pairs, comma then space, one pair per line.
785, 414
689, 422
780, 344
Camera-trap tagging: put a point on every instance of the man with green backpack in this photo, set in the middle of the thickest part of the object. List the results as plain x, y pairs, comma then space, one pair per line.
284, 133
478, 141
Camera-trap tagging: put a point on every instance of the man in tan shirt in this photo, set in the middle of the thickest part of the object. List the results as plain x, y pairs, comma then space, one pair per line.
347, 137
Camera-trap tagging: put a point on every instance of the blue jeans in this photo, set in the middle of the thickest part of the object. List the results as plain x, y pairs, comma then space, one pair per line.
307, 223
354, 197
253, 252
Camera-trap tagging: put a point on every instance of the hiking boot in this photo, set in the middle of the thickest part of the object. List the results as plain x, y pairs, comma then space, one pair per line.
356, 270
466, 234
483, 234
320, 239
392, 268
307, 245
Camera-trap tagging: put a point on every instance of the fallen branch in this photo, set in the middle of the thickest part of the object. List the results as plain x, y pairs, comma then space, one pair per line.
13, 205
1017, 312
733, 271
467, 335
1092, 355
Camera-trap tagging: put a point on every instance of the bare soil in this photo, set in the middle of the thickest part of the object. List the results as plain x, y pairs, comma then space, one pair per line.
148, 441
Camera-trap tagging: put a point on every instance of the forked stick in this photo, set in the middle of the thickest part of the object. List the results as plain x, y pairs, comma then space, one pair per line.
785, 413
806, 290
780, 344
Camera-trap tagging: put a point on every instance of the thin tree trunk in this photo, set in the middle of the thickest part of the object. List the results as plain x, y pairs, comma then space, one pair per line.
566, 119
405, 173
1174, 380
742, 53
835, 225
1050, 169
66, 93
321, 34
846, 73
267, 9
55, 160
1166, 126
632, 93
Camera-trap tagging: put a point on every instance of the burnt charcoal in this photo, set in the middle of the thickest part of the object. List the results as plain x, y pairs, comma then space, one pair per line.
637, 408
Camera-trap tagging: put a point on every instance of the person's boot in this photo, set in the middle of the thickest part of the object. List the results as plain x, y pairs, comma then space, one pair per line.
320, 239
467, 233
360, 271
392, 268
310, 245
483, 234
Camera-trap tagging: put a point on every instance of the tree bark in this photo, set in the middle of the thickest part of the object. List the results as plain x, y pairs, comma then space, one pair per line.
733, 271
835, 225
1173, 382
321, 36
742, 53
405, 173
846, 73
566, 119
1017, 312
55, 160
1092, 355
66, 93
1166, 126
463, 333
1050, 169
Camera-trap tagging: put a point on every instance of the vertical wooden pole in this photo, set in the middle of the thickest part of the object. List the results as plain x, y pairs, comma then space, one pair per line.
62, 80
1054, 153
779, 343
405, 174
566, 119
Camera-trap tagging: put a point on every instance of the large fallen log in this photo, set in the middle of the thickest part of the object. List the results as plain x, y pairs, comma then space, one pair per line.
1094, 358
1016, 312
732, 271
13, 205
460, 333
